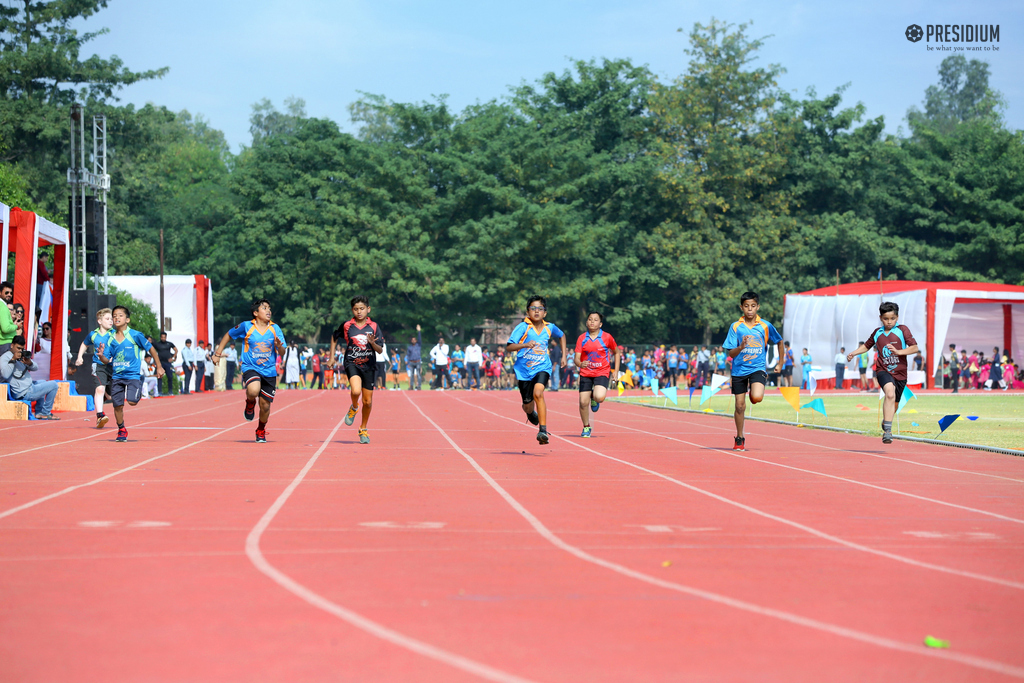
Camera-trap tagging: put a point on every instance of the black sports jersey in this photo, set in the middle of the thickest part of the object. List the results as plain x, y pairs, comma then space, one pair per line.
357, 349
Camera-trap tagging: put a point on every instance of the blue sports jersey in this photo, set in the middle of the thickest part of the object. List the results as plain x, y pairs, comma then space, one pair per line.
531, 361
95, 338
126, 355
754, 357
259, 352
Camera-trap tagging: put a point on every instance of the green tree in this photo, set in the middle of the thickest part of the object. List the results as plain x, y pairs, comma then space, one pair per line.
963, 94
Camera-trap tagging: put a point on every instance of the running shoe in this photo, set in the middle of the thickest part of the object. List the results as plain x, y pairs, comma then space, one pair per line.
542, 437
261, 436
887, 437
364, 437
586, 432
350, 417
122, 434
594, 406
534, 418
250, 410
102, 421
739, 444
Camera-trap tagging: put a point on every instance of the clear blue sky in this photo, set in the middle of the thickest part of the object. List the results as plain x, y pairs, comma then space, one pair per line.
225, 55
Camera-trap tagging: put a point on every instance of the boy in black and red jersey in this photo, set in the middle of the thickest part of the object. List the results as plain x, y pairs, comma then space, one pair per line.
363, 341
893, 344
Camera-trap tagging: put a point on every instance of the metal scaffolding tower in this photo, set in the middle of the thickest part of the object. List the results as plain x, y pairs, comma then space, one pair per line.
85, 241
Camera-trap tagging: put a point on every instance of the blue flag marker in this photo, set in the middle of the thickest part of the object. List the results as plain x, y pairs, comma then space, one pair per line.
706, 392
946, 421
972, 418
670, 394
692, 389
817, 404
914, 424
905, 398
654, 386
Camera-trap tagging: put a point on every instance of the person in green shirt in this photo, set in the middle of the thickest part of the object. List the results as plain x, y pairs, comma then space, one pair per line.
8, 328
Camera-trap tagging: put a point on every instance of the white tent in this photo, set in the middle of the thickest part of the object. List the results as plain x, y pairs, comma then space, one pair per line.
188, 303
972, 315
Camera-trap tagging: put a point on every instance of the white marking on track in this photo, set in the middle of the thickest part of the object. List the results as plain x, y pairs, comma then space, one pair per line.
255, 555
100, 524
835, 629
669, 528
969, 535
403, 524
109, 524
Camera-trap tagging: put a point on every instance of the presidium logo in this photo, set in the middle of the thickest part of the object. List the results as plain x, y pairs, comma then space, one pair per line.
955, 33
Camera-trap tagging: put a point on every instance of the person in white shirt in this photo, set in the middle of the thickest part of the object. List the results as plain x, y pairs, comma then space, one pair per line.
188, 365
150, 384
439, 356
840, 367
231, 358
208, 368
381, 374
474, 356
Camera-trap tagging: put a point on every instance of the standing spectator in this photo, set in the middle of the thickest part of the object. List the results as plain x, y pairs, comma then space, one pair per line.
231, 360
995, 371
703, 366
458, 361
44, 345
167, 353
862, 365
290, 365
383, 360
7, 327
439, 357
474, 357
209, 367
15, 366
188, 366
304, 358
840, 367
413, 360
317, 367
396, 367
787, 367
805, 369
954, 369
720, 357
555, 353
200, 365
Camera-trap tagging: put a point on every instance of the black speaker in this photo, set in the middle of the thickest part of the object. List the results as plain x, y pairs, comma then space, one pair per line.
94, 251
82, 307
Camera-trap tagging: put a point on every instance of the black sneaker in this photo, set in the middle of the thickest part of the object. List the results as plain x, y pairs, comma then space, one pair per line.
250, 411
542, 437
886, 437
534, 418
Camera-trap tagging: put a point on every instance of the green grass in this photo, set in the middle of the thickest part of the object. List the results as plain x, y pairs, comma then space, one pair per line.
1000, 420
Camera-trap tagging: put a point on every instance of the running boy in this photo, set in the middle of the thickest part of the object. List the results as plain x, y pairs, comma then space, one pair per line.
893, 343
593, 358
529, 340
747, 344
124, 349
363, 341
262, 342
100, 370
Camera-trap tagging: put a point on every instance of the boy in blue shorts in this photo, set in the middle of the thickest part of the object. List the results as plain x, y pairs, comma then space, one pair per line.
124, 349
529, 340
893, 343
262, 341
747, 344
363, 341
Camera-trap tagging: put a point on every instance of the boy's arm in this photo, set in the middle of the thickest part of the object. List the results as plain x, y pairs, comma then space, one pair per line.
565, 358
857, 351
220, 347
156, 362
782, 357
100, 348
909, 351
330, 356
81, 351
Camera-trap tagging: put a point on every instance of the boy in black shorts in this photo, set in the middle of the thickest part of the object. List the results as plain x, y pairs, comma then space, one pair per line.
529, 341
594, 351
747, 344
893, 344
363, 341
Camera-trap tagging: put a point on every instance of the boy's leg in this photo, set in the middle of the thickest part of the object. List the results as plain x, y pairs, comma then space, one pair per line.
367, 406
585, 406
738, 414
600, 393
264, 412
355, 390
889, 403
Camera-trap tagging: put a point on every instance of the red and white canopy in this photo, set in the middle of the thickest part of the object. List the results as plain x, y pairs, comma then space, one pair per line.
972, 315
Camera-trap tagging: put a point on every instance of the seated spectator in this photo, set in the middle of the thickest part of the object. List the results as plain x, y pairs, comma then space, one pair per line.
15, 366
150, 385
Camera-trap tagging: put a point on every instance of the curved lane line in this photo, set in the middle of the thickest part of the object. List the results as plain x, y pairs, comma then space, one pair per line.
788, 522
255, 555
842, 631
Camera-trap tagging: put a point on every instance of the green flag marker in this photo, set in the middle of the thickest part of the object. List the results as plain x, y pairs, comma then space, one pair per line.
931, 641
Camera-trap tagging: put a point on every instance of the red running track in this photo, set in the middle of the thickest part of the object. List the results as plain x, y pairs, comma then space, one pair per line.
454, 548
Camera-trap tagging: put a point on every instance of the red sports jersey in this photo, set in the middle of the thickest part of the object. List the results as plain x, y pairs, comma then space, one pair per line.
357, 349
599, 351
885, 360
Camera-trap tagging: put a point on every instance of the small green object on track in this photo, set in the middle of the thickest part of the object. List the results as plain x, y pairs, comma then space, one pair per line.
932, 641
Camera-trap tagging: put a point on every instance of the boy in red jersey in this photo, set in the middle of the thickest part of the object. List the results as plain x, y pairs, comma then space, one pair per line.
893, 343
363, 341
593, 357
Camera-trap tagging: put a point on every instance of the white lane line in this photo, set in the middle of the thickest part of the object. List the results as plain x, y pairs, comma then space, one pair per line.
788, 522
101, 432
255, 555
37, 501
830, 448
820, 474
842, 631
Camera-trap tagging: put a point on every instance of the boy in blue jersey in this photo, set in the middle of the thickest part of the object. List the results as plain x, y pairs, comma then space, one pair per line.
262, 341
529, 340
747, 344
124, 349
100, 370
